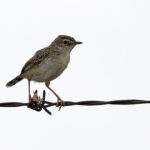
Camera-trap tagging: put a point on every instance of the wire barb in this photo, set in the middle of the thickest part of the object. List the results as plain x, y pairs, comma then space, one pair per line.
38, 103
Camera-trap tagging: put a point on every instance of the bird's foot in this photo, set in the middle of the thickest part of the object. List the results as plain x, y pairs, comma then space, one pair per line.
60, 103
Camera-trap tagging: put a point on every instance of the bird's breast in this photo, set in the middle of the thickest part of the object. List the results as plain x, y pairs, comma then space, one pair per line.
51, 68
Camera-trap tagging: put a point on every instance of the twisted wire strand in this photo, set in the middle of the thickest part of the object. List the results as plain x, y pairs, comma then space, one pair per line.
35, 105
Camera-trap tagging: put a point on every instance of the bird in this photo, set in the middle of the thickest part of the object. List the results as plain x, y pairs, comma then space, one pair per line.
47, 64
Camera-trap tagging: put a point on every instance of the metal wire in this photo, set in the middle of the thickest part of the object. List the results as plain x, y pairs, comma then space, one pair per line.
34, 105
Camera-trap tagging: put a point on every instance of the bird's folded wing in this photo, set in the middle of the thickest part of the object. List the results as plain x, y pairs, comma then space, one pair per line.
35, 60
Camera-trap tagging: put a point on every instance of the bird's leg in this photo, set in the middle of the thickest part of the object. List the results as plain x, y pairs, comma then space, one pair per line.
59, 100
30, 99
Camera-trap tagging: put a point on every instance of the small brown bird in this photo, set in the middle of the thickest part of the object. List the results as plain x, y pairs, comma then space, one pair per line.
47, 64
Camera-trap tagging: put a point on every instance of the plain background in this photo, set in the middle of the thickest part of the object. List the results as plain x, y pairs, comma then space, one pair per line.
113, 63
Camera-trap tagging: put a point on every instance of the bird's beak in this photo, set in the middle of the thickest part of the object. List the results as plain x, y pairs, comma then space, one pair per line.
77, 42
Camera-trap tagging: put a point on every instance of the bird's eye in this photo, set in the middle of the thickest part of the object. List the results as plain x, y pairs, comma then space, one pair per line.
66, 42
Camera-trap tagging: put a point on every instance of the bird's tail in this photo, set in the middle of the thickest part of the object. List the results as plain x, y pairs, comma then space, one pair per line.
14, 81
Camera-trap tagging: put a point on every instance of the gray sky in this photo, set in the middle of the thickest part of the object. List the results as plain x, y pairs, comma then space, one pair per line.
113, 63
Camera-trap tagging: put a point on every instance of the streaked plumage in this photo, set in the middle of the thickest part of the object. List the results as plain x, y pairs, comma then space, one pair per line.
47, 63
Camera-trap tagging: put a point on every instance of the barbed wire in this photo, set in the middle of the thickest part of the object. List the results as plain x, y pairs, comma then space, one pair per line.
38, 103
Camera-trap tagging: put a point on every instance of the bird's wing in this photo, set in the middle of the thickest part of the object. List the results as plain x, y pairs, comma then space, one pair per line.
39, 56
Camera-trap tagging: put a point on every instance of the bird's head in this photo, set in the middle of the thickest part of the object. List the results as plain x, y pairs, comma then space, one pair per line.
65, 43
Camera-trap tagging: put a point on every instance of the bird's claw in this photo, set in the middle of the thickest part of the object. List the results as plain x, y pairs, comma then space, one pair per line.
60, 103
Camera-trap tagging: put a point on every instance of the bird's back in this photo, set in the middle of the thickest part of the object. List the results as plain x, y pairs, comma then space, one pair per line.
46, 64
